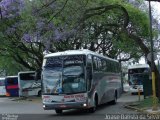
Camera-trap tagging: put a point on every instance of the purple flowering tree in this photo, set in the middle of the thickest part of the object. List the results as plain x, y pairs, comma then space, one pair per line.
28, 29
12, 33
11, 8
32, 27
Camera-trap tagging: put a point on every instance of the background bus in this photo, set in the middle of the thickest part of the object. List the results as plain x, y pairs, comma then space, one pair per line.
79, 79
2, 87
28, 85
136, 76
11, 84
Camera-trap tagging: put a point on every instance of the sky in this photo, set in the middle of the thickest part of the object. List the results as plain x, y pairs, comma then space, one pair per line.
156, 6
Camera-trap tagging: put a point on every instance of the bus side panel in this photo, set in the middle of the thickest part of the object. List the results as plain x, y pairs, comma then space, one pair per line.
100, 85
12, 88
13, 92
106, 89
113, 85
105, 85
98, 82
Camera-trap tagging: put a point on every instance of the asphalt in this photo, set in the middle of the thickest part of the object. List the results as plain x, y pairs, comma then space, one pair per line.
126, 98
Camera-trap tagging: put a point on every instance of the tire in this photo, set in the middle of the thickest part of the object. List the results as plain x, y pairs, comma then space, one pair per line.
93, 109
39, 93
58, 111
113, 102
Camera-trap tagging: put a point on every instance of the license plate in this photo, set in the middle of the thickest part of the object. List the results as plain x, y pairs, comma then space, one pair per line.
63, 106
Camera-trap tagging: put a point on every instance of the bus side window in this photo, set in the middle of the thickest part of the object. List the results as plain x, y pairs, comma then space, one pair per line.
99, 64
89, 71
95, 63
103, 65
108, 66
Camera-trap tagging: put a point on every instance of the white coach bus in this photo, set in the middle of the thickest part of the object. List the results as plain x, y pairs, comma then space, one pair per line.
136, 76
79, 79
28, 86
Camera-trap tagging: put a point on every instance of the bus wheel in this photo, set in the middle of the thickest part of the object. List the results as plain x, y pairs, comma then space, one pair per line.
93, 109
39, 93
58, 111
113, 102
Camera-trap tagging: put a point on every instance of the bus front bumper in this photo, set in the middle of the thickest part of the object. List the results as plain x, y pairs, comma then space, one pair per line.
64, 106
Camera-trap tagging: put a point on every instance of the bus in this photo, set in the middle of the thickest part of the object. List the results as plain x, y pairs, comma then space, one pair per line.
2, 87
136, 75
28, 86
79, 79
11, 85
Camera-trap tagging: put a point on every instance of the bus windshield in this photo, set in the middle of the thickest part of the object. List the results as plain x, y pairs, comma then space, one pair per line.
136, 79
64, 75
136, 75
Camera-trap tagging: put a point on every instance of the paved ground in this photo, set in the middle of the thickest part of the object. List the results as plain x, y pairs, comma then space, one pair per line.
127, 98
31, 109
34, 104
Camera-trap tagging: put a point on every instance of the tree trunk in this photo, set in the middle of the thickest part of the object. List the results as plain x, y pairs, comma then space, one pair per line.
146, 51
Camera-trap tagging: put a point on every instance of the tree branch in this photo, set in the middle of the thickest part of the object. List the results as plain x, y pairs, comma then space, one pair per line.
102, 9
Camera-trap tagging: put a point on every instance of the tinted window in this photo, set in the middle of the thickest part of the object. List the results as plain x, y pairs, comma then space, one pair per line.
99, 64
104, 66
138, 70
95, 63
54, 62
12, 81
27, 76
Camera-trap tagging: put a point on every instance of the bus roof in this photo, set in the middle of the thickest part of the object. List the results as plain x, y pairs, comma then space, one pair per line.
26, 72
11, 76
2, 78
138, 66
77, 52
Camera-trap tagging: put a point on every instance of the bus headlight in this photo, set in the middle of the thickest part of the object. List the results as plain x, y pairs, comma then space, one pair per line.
44, 106
84, 105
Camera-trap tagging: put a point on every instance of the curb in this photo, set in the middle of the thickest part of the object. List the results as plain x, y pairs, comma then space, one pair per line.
141, 110
133, 108
25, 99
18, 99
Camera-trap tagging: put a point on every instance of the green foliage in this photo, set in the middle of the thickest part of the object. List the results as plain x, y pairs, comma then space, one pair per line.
146, 103
101, 30
9, 65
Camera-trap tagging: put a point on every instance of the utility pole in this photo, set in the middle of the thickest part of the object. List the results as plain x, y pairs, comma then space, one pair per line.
155, 100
